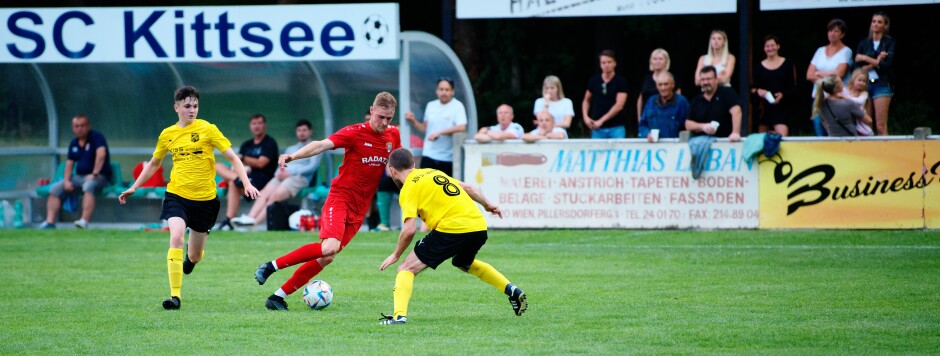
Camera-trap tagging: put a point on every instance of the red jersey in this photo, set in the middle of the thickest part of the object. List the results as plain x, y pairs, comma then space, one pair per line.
363, 163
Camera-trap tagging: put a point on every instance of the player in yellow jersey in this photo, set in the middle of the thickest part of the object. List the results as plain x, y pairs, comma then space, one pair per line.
458, 230
190, 199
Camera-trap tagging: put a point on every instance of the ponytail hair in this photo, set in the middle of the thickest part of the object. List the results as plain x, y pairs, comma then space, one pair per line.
826, 85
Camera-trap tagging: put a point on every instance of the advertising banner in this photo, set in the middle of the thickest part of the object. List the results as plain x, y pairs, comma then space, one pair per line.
491, 9
850, 185
200, 34
610, 184
768, 5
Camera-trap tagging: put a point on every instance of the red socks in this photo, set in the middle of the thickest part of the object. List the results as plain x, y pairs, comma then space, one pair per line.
302, 275
308, 252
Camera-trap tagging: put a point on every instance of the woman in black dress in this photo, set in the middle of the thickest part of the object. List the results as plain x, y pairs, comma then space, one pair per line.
774, 82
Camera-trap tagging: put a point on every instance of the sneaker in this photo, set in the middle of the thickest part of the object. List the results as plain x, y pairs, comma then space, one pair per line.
81, 224
390, 320
225, 225
381, 228
264, 271
188, 265
517, 299
275, 302
171, 304
46, 225
244, 221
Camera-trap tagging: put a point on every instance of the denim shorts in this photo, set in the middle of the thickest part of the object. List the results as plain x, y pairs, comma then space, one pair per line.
879, 88
609, 132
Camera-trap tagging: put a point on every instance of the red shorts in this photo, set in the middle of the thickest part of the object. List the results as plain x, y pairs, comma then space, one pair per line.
338, 221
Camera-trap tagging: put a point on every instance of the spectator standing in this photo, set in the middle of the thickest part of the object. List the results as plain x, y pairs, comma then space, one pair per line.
89, 157
838, 113
287, 182
259, 155
717, 105
604, 100
875, 54
442, 118
665, 111
718, 56
831, 59
659, 63
774, 83
545, 130
504, 129
553, 99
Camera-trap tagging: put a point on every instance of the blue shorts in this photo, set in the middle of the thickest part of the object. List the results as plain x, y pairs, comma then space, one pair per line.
879, 89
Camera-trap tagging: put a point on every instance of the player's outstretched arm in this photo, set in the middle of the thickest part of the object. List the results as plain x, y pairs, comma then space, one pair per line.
250, 190
311, 149
149, 169
408, 229
478, 197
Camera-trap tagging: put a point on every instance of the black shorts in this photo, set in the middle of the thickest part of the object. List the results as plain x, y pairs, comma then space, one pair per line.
198, 215
437, 247
443, 166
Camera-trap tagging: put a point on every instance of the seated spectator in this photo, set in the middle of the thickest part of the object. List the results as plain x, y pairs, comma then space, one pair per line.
838, 113
857, 91
665, 111
88, 155
553, 99
287, 182
505, 129
545, 130
717, 111
259, 154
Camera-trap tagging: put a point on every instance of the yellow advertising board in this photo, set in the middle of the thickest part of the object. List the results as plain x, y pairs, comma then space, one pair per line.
851, 185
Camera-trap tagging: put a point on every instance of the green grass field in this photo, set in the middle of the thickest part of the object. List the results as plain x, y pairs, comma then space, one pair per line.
607, 292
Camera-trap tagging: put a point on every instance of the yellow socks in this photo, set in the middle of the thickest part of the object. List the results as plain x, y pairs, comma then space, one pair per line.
404, 282
488, 274
174, 265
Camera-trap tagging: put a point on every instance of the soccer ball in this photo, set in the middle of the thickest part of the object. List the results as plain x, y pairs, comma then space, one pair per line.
376, 31
318, 295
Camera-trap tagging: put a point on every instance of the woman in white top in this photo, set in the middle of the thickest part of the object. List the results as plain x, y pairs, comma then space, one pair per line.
831, 59
719, 57
554, 101
857, 91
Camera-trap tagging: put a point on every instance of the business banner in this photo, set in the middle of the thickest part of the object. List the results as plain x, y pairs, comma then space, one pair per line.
200, 34
491, 9
610, 184
849, 185
769, 5
932, 191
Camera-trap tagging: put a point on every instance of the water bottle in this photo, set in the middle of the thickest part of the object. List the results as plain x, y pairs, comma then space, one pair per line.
18, 215
3, 214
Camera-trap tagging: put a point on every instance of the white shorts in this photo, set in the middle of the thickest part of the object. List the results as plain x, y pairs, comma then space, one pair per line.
293, 184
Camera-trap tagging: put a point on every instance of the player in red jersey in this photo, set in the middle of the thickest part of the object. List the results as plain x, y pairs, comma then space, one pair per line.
367, 146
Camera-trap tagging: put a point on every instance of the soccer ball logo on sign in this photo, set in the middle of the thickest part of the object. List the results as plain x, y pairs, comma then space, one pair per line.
376, 31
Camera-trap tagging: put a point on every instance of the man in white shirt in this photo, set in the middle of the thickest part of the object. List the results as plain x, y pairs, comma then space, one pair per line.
505, 129
442, 118
546, 129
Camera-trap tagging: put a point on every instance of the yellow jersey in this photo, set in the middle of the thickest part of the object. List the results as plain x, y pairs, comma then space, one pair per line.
440, 202
193, 174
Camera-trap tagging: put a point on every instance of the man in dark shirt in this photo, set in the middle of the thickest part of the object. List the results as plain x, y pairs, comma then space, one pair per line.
717, 111
259, 154
604, 99
90, 159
